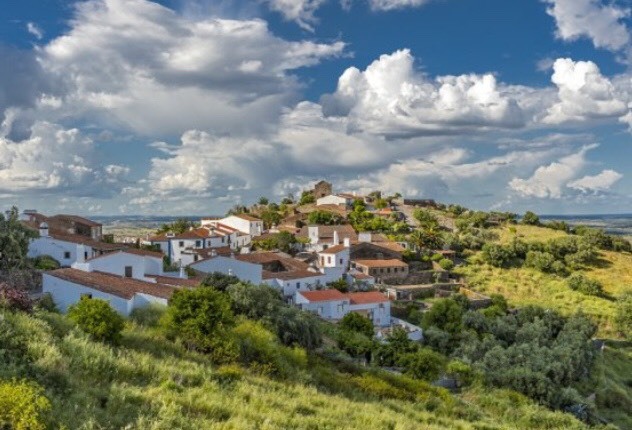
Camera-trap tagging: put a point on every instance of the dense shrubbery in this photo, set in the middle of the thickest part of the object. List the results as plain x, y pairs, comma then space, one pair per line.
283, 241
578, 282
324, 218
46, 262
97, 318
623, 317
357, 323
14, 299
23, 406
534, 351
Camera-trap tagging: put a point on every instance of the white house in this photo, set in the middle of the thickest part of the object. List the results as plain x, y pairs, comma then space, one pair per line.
67, 286
336, 199
180, 248
129, 263
328, 304
334, 261
322, 237
244, 223
284, 273
66, 248
334, 305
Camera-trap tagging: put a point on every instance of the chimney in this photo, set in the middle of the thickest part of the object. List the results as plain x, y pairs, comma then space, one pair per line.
336, 238
347, 242
183, 273
230, 272
232, 255
312, 232
43, 230
81, 253
213, 253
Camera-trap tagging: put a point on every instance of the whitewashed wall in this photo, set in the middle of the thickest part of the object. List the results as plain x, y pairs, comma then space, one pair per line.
245, 271
66, 293
56, 248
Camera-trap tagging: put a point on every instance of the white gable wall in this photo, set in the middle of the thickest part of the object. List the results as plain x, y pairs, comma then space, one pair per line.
245, 271
57, 249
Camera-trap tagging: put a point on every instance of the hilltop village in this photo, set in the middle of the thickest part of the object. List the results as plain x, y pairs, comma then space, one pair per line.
405, 299
328, 253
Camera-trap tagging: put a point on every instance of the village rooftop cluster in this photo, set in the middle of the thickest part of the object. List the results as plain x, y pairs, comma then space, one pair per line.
369, 265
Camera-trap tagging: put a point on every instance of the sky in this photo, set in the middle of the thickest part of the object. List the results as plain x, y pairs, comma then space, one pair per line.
177, 107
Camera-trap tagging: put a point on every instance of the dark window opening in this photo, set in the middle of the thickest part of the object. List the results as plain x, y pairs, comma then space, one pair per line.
128, 271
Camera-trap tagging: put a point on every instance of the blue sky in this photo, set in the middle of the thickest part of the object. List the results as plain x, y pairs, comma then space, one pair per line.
192, 106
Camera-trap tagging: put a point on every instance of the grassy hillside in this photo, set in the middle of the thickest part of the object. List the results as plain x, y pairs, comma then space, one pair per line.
149, 382
526, 286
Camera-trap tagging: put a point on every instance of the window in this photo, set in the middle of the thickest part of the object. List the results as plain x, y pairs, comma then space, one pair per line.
67, 255
298, 285
128, 271
329, 260
198, 243
341, 261
223, 239
195, 257
181, 244
85, 255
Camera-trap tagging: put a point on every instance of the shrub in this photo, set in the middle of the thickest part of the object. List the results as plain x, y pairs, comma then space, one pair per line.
590, 287
199, 317
296, 327
460, 371
340, 285
446, 264
444, 314
530, 218
623, 316
46, 303
97, 318
219, 281
23, 406
357, 323
424, 364
46, 262
14, 299
542, 261
497, 255
148, 316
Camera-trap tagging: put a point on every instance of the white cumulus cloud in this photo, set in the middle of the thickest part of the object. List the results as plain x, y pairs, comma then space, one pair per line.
600, 182
600, 23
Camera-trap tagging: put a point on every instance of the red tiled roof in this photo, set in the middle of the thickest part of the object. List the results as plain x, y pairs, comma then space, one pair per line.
323, 295
112, 284
334, 249
381, 263
76, 219
360, 275
365, 298
176, 282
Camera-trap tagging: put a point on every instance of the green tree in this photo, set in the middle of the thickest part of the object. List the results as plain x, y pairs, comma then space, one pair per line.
179, 226
357, 323
427, 238
584, 285
324, 218
199, 317
97, 318
444, 314
14, 241
381, 203
426, 219
497, 255
270, 218
424, 364
219, 281
307, 198
263, 201
530, 218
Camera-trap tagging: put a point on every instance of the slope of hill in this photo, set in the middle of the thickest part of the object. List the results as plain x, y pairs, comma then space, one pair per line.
149, 382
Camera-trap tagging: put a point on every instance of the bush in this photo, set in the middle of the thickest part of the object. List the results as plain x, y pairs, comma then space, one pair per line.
23, 406
542, 261
97, 318
446, 264
219, 281
148, 316
14, 299
460, 371
623, 316
357, 323
530, 218
424, 364
199, 317
497, 255
590, 287
46, 262
444, 314
46, 303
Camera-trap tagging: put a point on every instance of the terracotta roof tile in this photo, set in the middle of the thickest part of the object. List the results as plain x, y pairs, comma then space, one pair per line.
366, 298
381, 263
112, 284
334, 249
323, 295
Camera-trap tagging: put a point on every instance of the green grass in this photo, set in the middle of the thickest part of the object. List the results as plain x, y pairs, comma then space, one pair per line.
526, 286
149, 382
611, 384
